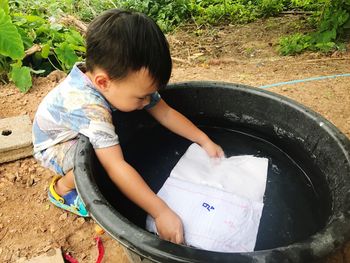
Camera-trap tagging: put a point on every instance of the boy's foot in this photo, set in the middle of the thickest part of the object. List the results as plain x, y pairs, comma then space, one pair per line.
70, 202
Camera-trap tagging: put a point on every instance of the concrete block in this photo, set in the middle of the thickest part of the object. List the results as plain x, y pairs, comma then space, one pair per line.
15, 138
52, 256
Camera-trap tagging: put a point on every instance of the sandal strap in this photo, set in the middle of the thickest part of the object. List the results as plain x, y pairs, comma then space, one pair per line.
52, 189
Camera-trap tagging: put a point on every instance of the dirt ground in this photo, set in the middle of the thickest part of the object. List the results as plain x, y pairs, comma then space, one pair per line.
30, 225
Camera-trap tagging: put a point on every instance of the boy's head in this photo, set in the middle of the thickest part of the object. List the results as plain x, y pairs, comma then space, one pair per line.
121, 42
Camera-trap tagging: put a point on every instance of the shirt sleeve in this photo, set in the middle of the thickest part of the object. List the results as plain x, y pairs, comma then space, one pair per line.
95, 122
155, 98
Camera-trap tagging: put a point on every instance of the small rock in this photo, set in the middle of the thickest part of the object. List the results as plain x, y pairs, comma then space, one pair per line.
35, 178
8, 257
51, 252
63, 217
32, 169
53, 229
80, 220
12, 177
30, 182
47, 248
42, 229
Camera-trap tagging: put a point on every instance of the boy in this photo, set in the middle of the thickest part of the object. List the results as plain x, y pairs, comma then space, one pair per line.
127, 62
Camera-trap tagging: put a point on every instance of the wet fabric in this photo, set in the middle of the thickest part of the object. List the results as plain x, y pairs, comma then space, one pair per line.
219, 201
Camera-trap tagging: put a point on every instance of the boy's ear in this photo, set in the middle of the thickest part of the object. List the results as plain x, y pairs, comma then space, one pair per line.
102, 81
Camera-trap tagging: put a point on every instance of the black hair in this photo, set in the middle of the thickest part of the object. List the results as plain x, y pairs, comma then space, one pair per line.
121, 41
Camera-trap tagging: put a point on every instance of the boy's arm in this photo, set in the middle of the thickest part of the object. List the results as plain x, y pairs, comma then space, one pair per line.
129, 181
179, 124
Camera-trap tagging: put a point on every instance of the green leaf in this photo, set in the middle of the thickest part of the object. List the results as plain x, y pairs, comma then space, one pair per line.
27, 40
328, 36
73, 37
326, 47
343, 17
45, 50
78, 48
56, 27
66, 55
37, 20
21, 77
11, 44
4, 4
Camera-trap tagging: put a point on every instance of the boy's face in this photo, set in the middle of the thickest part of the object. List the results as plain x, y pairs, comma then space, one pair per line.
130, 93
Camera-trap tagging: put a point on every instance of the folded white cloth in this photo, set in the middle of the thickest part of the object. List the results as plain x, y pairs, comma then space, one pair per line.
219, 201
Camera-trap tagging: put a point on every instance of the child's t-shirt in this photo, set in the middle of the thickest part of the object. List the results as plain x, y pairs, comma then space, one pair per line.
75, 107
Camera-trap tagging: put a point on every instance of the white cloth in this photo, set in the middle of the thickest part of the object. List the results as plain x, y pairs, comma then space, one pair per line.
220, 202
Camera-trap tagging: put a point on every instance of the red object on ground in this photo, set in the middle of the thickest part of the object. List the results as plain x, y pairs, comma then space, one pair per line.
69, 258
101, 249
101, 252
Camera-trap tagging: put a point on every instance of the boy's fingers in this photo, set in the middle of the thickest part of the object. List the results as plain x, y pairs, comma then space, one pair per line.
179, 238
176, 240
220, 152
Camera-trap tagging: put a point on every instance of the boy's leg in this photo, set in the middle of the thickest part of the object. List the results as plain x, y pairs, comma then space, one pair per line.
69, 201
65, 184
62, 193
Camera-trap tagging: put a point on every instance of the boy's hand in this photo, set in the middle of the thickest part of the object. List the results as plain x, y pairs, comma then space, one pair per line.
169, 226
213, 149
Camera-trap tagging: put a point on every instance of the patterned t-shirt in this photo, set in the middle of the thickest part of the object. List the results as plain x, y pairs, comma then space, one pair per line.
75, 107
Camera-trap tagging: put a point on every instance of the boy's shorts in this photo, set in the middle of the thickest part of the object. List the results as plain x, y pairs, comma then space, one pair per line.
59, 158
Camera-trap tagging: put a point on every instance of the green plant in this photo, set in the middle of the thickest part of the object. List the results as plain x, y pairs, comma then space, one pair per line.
48, 45
270, 7
334, 21
218, 11
307, 5
294, 44
167, 13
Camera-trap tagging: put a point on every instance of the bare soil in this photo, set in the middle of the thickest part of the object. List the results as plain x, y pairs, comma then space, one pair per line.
30, 225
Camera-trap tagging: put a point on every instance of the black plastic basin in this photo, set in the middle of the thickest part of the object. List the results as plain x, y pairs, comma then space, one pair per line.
307, 198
